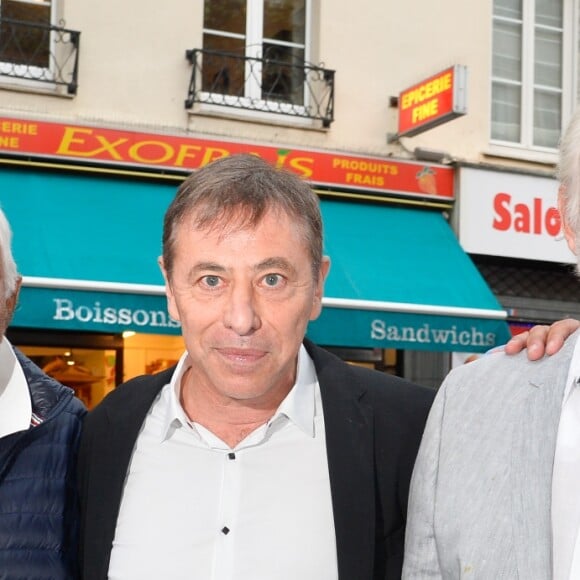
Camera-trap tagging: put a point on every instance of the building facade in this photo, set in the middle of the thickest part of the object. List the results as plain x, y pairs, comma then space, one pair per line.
408, 121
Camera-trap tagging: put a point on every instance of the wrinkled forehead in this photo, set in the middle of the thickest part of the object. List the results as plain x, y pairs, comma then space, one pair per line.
235, 219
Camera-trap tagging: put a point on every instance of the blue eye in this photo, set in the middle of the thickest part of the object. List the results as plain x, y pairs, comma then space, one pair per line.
272, 279
212, 280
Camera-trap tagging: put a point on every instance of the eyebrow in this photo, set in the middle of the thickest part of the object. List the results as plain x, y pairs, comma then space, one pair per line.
275, 262
204, 267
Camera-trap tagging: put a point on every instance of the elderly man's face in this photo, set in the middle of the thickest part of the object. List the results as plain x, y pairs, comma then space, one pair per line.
244, 298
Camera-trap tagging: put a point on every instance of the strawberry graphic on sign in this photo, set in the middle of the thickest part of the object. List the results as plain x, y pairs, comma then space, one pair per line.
426, 180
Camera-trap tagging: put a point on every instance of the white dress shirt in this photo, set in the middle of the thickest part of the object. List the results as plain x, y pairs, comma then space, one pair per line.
15, 403
566, 480
194, 508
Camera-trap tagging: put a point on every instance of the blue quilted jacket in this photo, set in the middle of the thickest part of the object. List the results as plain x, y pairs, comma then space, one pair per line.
38, 500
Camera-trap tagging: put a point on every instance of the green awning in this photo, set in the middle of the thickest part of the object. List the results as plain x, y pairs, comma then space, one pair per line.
80, 226
400, 279
87, 246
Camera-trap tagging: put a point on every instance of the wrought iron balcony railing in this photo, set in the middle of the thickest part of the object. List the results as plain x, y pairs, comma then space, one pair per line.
267, 84
39, 52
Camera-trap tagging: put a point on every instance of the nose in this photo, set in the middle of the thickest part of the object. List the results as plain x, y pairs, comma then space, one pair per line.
240, 313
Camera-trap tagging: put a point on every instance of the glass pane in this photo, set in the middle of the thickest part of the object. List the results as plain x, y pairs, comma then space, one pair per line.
507, 51
547, 118
285, 20
225, 15
38, 12
508, 8
549, 13
223, 72
506, 112
22, 43
283, 74
89, 372
548, 65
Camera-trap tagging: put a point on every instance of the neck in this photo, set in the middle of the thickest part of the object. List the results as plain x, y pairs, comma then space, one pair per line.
228, 418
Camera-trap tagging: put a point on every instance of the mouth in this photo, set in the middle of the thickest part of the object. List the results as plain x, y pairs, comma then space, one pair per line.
242, 356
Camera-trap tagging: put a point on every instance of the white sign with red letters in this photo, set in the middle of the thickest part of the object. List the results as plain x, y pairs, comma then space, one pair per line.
510, 215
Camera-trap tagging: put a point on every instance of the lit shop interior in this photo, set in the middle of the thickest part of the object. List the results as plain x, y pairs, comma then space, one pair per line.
92, 363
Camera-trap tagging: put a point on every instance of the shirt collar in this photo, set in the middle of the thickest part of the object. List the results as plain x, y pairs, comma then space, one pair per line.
298, 406
15, 401
175, 414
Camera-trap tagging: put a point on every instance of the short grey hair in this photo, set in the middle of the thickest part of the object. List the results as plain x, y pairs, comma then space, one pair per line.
569, 173
7, 264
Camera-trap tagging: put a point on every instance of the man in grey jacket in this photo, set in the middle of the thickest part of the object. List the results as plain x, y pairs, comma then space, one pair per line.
494, 489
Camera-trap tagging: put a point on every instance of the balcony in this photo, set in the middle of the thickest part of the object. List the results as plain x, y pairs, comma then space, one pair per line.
271, 84
39, 52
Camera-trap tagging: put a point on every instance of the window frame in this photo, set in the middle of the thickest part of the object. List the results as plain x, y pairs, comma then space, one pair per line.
252, 102
525, 148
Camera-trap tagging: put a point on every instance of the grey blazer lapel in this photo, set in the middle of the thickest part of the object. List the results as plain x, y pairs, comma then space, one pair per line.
533, 448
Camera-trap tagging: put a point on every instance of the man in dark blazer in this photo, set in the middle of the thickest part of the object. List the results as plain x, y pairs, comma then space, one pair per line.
260, 455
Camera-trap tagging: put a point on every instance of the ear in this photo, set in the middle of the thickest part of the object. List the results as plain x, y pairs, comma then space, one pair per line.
12, 300
319, 291
566, 229
171, 304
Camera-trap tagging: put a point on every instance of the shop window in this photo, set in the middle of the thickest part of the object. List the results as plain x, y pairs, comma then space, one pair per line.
532, 72
89, 372
150, 353
93, 364
89, 363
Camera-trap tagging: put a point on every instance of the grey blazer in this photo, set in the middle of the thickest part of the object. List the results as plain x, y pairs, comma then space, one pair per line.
480, 497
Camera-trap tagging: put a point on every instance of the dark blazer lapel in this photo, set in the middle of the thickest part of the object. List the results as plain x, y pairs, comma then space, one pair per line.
349, 443
103, 470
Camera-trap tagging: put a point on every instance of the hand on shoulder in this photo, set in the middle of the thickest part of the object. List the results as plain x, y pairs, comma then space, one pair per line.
542, 340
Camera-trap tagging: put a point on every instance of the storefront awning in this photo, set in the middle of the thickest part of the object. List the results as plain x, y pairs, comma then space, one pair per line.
87, 246
400, 279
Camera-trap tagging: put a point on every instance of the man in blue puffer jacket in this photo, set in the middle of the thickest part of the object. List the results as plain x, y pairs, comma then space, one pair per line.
40, 423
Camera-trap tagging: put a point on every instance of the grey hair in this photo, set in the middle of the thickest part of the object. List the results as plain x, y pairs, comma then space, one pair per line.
7, 264
569, 173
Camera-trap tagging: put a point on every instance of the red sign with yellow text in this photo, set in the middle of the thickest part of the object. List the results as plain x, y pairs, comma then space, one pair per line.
433, 101
185, 153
